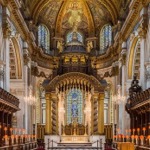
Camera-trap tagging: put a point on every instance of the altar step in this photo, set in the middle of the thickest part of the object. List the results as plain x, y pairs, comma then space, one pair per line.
75, 146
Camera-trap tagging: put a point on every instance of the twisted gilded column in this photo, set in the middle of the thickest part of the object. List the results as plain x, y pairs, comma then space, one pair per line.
48, 126
55, 115
94, 115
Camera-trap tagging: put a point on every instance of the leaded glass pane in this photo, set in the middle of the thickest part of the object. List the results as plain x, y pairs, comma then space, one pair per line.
74, 106
105, 38
44, 38
70, 37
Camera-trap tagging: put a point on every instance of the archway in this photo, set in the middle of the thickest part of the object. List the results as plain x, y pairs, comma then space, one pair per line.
80, 95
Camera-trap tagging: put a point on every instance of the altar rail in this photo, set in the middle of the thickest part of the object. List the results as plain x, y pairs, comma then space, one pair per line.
25, 146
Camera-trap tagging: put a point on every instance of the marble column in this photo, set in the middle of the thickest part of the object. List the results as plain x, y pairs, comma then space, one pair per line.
6, 42
26, 86
123, 114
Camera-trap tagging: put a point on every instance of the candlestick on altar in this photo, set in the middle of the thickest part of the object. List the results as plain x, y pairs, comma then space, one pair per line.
12, 139
123, 137
136, 139
6, 140
148, 137
142, 138
127, 138
132, 137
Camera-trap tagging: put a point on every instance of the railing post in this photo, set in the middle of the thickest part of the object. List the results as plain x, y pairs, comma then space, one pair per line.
100, 143
48, 143
52, 144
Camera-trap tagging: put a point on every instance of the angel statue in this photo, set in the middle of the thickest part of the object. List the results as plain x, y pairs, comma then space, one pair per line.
60, 46
89, 46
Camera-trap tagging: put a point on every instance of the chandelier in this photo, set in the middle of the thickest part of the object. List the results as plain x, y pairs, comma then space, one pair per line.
118, 98
31, 100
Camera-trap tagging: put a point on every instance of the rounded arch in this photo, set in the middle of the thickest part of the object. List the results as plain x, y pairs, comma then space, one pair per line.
75, 79
15, 59
131, 57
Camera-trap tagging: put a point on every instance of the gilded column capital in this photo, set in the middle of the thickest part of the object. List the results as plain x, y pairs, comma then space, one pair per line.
6, 30
142, 32
47, 96
101, 96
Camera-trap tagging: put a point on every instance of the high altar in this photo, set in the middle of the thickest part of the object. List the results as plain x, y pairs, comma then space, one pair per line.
74, 109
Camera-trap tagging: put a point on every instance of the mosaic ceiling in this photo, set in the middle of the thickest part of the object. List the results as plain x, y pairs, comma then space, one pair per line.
63, 15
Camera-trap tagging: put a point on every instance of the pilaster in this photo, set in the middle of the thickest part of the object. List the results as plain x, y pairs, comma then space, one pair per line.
142, 31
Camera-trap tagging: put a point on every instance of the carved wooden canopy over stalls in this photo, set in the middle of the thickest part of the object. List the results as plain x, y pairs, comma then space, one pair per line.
8, 102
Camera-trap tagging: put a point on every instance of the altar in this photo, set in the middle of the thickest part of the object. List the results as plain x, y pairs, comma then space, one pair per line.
74, 139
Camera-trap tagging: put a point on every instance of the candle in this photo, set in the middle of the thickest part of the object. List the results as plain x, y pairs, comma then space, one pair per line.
11, 131
133, 131
138, 130
5, 129
144, 130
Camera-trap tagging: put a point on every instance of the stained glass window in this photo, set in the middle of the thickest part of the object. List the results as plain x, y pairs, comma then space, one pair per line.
105, 38
70, 37
44, 38
74, 106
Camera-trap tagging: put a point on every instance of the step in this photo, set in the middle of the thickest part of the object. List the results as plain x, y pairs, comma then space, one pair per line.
75, 148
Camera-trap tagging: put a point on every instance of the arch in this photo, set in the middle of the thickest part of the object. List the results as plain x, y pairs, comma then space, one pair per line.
105, 38
74, 78
136, 63
44, 38
15, 59
131, 58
